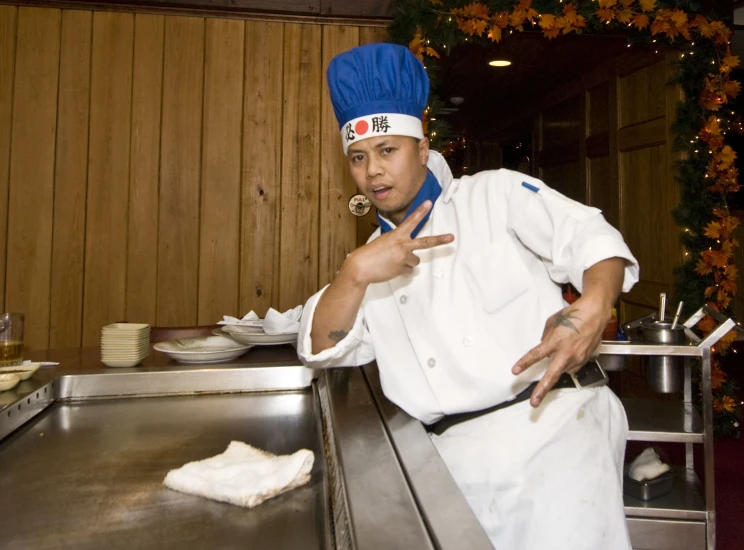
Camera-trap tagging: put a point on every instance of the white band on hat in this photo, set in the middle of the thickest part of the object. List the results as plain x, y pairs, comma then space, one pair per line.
384, 124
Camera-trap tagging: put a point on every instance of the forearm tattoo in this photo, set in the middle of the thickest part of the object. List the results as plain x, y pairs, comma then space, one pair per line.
337, 335
563, 319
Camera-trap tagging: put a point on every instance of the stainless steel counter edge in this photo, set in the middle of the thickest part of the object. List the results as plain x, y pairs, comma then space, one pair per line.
381, 508
174, 381
450, 521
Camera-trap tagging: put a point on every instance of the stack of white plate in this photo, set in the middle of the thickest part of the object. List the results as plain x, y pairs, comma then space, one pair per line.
124, 344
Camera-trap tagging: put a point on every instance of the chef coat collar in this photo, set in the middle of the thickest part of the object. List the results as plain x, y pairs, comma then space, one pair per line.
442, 172
430, 190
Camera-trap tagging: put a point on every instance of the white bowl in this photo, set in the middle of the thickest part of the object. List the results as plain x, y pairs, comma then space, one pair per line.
24, 372
210, 349
121, 362
8, 381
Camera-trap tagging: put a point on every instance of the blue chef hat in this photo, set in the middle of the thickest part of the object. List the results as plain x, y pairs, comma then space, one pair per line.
378, 89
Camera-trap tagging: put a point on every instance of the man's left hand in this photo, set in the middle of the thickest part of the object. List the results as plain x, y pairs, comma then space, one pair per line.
569, 339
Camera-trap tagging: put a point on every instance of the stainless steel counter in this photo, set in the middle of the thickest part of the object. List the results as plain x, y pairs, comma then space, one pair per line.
84, 450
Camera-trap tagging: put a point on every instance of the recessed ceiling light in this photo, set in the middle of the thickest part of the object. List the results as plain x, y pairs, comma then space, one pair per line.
499, 63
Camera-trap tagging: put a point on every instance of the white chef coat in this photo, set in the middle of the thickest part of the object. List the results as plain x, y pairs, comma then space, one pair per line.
446, 336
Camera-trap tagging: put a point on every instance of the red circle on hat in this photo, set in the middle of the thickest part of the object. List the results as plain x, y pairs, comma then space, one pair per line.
361, 127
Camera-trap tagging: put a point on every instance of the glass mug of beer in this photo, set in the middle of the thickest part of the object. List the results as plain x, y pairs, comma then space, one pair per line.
11, 339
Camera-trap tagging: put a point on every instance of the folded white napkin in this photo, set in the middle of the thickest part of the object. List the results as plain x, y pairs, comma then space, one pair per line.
282, 323
274, 322
242, 475
647, 465
250, 319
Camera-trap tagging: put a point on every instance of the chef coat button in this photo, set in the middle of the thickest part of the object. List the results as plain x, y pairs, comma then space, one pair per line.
467, 341
438, 273
432, 362
403, 299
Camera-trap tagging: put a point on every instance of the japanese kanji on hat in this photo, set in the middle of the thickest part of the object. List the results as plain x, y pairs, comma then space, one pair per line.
378, 89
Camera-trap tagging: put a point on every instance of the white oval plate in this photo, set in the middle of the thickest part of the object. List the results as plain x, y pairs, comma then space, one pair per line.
262, 339
8, 381
211, 349
24, 372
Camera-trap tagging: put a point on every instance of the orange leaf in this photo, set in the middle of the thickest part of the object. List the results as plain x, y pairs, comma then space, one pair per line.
659, 26
547, 21
717, 258
551, 33
707, 324
730, 62
731, 272
572, 17
494, 33
648, 5
432, 53
605, 15
417, 46
640, 21
604, 4
713, 230
627, 3
703, 268
729, 286
500, 20
624, 16
475, 9
704, 27
728, 339
679, 18
709, 291
717, 377
732, 88
436, 3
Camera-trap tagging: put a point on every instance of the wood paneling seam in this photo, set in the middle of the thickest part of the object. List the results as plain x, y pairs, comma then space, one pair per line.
160, 166
10, 154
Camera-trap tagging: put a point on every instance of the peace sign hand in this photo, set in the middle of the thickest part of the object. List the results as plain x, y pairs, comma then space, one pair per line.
392, 254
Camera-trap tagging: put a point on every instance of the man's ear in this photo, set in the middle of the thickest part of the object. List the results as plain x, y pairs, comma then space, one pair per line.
423, 145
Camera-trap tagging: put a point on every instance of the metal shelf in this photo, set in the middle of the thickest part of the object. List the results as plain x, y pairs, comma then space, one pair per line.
671, 421
686, 501
642, 348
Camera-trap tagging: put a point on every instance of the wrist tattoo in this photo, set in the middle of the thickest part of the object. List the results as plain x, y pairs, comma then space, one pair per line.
337, 335
563, 319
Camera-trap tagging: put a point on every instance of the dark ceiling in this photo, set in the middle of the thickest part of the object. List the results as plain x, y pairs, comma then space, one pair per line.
539, 66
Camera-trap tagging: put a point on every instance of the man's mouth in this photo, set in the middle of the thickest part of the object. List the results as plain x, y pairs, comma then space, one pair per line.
381, 191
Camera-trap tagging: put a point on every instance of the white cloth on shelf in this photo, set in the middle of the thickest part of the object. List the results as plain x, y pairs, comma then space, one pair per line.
647, 465
242, 475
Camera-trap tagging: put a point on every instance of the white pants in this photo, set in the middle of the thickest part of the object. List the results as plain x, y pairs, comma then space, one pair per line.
546, 478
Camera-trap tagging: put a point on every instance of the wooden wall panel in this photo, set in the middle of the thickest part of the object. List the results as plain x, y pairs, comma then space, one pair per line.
648, 225
261, 169
70, 180
298, 256
8, 25
156, 181
178, 231
31, 195
338, 227
108, 173
219, 245
144, 171
641, 95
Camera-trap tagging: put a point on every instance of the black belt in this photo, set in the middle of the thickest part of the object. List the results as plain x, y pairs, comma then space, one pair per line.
439, 427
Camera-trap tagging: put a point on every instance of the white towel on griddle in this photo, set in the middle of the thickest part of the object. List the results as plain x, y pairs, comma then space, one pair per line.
242, 475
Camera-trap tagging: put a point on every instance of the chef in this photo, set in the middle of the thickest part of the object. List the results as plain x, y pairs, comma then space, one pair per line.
457, 297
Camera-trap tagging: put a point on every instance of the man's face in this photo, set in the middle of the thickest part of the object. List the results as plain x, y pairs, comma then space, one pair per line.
389, 171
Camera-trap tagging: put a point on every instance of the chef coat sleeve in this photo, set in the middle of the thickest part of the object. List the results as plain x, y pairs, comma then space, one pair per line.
353, 351
569, 237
